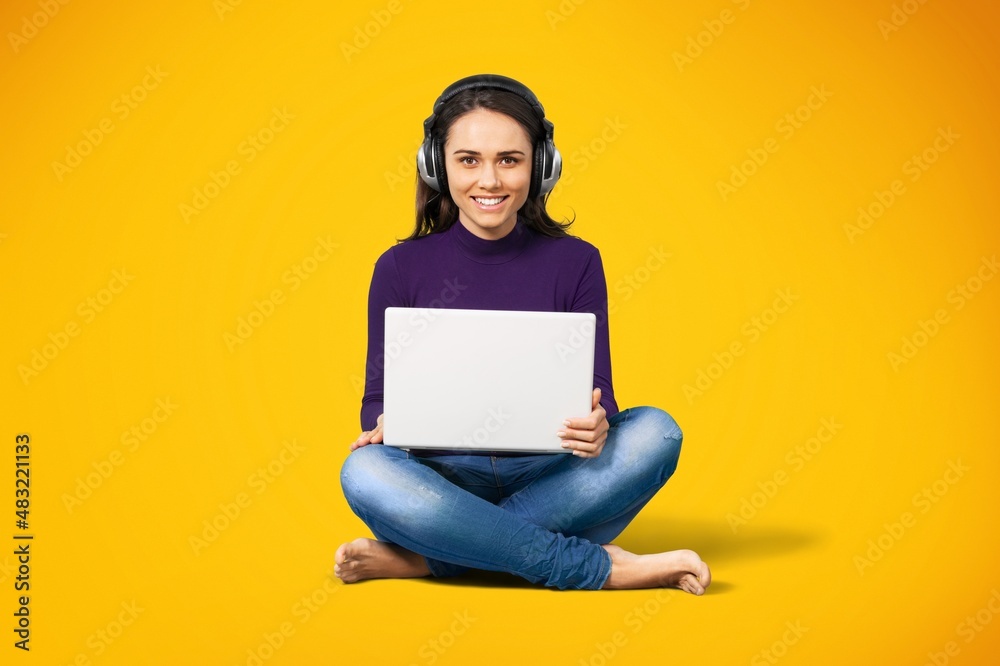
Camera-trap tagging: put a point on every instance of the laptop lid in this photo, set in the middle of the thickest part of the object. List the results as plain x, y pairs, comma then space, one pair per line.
488, 380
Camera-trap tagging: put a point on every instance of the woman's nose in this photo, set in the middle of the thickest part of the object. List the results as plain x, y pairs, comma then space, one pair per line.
488, 178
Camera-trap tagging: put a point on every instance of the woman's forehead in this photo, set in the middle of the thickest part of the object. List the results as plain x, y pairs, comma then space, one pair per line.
483, 128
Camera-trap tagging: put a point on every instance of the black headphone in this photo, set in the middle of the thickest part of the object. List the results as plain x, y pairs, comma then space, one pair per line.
547, 165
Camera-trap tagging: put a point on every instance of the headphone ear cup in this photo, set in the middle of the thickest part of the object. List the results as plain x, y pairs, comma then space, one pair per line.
557, 163
550, 169
439, 170
425, 164
537, 170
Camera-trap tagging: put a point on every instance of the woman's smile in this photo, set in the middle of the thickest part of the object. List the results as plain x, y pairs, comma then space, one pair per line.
490, 203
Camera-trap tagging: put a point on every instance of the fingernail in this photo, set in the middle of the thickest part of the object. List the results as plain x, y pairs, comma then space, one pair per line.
560, 434
566, 423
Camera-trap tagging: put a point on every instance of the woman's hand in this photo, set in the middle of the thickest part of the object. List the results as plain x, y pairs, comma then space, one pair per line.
586, 436
370, 436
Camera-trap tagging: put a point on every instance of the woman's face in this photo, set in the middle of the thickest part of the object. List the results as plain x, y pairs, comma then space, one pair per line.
488, 160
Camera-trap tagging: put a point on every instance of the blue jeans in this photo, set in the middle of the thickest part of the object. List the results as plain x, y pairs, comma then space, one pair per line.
542, 517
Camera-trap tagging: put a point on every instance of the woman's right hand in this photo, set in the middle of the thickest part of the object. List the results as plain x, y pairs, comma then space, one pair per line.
370, 436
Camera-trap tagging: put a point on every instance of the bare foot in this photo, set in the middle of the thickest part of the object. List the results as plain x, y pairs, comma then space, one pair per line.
682, 569
366, 558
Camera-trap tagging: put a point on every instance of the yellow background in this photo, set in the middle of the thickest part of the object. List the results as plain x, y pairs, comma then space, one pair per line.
335, 166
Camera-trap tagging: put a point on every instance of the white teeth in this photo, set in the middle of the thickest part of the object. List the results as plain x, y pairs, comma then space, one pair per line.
489, 202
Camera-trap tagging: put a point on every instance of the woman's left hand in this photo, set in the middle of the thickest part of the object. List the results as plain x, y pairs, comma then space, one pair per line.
586, 436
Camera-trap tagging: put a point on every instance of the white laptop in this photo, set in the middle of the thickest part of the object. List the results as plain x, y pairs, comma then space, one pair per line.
486, 380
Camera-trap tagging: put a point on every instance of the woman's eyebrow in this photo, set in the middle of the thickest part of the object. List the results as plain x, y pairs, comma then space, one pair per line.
502, 153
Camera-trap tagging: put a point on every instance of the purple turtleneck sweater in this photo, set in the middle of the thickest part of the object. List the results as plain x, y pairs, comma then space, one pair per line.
524, 270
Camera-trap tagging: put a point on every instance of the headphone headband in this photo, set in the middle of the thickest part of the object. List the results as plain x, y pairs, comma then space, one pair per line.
547, 166
495, 81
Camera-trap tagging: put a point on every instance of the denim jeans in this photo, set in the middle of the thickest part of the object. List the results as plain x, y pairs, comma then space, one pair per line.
541, 517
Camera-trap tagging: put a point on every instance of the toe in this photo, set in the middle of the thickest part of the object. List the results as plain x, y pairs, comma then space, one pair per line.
689, 583
705, 575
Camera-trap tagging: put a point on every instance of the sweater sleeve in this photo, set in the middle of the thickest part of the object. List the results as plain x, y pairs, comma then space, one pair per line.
383, 292
592, 296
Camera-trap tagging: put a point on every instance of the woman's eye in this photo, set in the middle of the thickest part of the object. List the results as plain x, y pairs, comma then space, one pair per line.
510, 160
466, 160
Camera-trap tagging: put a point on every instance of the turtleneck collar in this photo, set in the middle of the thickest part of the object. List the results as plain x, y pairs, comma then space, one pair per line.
486, 251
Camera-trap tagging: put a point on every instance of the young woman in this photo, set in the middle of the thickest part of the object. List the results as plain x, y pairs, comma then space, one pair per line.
483, 240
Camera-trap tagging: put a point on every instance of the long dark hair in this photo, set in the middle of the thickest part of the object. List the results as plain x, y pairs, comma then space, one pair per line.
436, 211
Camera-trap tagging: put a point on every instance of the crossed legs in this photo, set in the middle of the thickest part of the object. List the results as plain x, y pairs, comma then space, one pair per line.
554, 529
